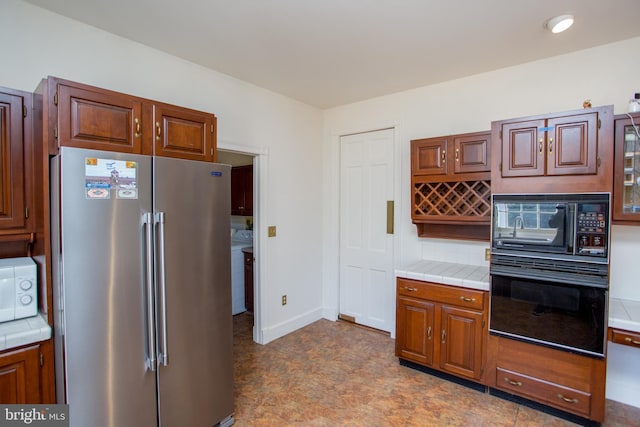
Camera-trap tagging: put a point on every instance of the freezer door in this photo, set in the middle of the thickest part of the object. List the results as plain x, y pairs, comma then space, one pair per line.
100, 288
192, 207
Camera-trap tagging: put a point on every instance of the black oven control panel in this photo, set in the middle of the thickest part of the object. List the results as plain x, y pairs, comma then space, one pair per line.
591, 229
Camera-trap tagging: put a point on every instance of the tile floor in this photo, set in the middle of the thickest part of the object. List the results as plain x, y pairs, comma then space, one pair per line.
339, 374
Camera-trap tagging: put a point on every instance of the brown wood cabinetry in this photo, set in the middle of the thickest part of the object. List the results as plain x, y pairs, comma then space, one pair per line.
620, 336
566, 381
90, 117
574, 145
248, 279
16, 166
242, 190
626, 179
450, 185
20, 376
441, 327
454, 154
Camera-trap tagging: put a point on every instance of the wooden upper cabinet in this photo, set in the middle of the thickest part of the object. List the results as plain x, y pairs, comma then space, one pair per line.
573, 148
575, 145
183, 133
451, 155
471, 153
522, 149
15, 161
626, 181
99, 119
242, 190
429, 156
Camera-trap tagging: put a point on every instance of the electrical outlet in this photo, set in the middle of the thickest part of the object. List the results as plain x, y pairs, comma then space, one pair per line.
487, 254
272, 232
284, 300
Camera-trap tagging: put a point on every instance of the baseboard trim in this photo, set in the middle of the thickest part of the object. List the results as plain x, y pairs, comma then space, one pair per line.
281, 329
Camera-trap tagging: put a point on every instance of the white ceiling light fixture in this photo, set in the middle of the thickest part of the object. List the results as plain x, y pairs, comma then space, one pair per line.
559, 23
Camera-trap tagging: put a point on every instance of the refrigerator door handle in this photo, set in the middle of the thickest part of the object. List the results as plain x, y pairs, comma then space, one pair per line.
163, 354
151, 336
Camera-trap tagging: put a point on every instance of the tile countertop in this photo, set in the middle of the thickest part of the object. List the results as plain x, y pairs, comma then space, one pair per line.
448, 273
24, 331
624, 314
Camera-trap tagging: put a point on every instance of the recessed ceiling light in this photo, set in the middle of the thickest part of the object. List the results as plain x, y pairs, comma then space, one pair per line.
559, 23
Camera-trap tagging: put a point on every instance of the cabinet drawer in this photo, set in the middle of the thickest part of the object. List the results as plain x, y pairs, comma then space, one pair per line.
543, 391
453, 295
625, 337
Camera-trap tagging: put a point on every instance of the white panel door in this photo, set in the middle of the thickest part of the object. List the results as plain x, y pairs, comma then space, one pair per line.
366, 250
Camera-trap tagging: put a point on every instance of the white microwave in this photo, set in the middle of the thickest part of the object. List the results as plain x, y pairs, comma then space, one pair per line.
18, 288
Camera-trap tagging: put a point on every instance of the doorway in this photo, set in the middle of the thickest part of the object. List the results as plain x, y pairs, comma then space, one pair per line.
366, 228
244, 228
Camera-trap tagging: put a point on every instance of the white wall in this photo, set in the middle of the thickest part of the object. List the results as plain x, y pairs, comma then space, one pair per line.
606, 75
40, 43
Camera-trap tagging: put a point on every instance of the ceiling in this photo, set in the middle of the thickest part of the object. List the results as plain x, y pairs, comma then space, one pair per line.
333, 52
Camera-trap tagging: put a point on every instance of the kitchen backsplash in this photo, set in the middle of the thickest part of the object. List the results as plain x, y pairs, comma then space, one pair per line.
467, 252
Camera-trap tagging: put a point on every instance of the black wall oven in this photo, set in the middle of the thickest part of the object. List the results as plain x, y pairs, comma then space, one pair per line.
552, 294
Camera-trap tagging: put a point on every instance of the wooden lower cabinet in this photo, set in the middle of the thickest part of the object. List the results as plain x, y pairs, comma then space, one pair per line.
19, 376
26, 374
248, 279
563, 380
441, 327
620, 336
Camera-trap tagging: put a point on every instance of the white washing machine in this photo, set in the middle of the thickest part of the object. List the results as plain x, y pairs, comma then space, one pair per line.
239, 239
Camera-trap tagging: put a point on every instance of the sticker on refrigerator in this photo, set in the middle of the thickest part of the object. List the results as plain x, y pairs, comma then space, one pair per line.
103, 175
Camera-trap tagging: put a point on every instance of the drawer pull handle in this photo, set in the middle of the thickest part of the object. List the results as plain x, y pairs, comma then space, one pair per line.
158, 131
467, 299
406, 288
512, 382
568, 400
137, 132
632, 341
429, 333
444, 336
540, 146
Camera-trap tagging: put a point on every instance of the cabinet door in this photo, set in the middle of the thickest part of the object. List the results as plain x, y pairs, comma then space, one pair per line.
523, 148
99, 119
12, 163
183, 133
415, 330
471, 153
248, 281
19, 376
626, 180
461, 341
242, 190
572, 145
429, 156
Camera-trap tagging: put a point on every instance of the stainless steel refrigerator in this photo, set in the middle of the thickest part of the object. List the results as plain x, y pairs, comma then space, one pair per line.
142, 290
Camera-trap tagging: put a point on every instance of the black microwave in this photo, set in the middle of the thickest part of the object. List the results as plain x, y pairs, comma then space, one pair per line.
562, 226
